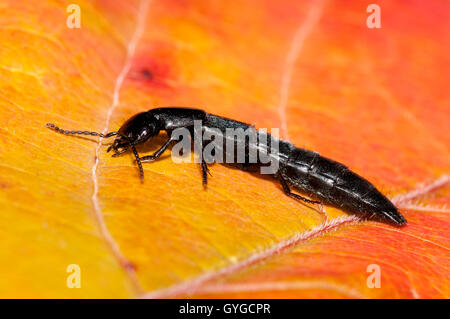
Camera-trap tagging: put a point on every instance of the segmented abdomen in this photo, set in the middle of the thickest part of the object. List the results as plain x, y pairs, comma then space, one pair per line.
335, 184
319, 177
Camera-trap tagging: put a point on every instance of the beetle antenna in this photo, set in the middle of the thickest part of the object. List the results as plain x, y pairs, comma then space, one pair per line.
60, 130
138, 161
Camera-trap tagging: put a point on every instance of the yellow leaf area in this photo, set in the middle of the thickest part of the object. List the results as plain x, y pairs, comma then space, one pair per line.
373, 99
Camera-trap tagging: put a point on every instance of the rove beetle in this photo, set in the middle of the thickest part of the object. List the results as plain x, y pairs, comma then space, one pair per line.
318, 177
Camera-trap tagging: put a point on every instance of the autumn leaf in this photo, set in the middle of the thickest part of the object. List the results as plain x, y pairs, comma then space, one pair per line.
375, 99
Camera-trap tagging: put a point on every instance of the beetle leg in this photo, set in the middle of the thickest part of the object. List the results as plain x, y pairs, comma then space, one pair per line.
288, 192
158, 153
205, 172
204, 167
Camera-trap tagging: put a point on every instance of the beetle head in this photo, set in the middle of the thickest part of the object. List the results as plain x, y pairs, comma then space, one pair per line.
138, 129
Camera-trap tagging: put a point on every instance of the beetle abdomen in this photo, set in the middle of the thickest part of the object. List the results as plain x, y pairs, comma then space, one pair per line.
335, 184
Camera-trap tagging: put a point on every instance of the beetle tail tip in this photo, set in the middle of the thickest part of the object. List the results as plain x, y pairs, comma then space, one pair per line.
395, 217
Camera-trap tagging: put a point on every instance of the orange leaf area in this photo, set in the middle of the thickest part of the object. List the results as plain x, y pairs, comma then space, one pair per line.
374, 99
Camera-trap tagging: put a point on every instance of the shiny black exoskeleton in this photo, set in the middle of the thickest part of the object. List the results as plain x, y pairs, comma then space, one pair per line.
320, 178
